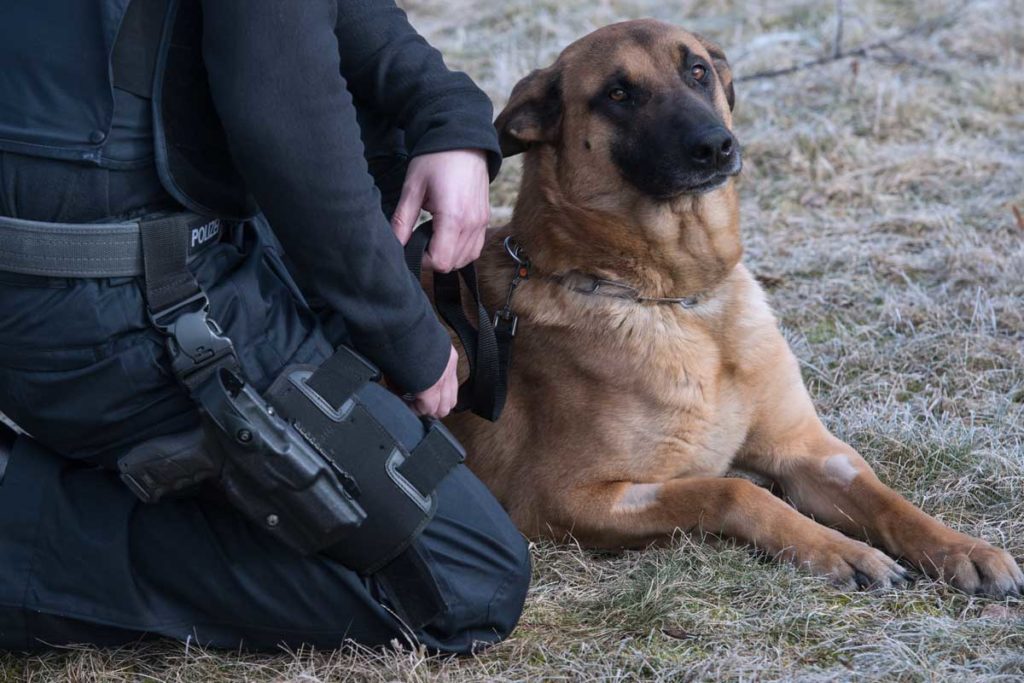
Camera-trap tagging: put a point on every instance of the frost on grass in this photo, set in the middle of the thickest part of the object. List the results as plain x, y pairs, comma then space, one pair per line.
877, 202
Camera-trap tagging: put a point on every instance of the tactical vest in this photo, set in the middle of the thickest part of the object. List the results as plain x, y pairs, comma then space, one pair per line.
61, 61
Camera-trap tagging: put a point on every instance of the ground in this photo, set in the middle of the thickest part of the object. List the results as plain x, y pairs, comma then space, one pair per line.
878, 207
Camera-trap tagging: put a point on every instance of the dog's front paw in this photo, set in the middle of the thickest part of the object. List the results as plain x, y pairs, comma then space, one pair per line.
848, 563
973, 566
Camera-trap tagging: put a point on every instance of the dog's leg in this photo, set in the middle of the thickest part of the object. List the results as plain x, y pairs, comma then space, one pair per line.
620, 514
829, 480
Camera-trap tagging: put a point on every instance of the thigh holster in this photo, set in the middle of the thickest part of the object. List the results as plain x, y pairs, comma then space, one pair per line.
392, 484
310, 462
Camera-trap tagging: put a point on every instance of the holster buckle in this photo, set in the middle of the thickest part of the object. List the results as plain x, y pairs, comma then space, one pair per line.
194, 340
165, 318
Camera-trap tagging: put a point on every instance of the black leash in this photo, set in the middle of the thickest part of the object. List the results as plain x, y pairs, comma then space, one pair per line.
488, 344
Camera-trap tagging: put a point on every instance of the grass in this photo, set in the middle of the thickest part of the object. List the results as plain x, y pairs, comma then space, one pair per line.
877, 202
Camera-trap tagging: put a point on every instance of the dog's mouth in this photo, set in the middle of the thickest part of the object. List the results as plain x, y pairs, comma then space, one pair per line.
715, 179
696, 182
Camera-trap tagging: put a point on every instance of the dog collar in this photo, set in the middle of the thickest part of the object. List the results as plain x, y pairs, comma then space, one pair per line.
583, 283
591, 285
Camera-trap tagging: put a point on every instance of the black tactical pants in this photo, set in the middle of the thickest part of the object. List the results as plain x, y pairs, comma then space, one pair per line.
82, 561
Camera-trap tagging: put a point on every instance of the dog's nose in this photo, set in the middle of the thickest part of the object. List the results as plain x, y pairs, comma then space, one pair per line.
712, 148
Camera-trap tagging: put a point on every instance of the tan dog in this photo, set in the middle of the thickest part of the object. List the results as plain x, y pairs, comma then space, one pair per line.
624, 412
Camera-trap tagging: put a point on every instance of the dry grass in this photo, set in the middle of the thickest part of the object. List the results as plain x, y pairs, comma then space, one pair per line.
878, 200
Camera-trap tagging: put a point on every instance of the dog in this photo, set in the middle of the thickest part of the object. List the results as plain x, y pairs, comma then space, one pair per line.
647, 363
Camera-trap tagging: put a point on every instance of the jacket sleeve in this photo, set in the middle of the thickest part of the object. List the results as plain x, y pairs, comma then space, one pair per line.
390, 66
291, 126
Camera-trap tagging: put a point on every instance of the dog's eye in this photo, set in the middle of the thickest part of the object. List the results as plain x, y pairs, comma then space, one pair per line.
698, 71
618, 95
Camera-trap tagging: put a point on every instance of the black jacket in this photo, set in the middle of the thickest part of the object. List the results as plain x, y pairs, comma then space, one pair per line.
283, 76
281, 83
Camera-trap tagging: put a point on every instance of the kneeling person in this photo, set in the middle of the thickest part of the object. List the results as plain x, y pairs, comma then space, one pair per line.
182, 118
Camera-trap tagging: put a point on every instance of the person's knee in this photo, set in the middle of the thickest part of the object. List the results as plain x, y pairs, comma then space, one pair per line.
507, 602
484, 609
481, 564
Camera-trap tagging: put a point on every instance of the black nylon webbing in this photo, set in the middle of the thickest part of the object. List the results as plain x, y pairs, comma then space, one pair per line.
340, 376
488, 354
168, 280
411, 585
430, 461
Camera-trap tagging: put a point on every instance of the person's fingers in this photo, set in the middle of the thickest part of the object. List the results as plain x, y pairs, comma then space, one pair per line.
451, 396
461, 257
427, 263
444, 245
478, 246
426, 403
440, 411
408, 210
467, 249
454, 398
455, 378
473, 233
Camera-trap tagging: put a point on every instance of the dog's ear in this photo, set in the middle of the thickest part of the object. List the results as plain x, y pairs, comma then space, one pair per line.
721, 68
533, 113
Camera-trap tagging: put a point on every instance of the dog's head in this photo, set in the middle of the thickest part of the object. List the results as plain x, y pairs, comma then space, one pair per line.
640, 107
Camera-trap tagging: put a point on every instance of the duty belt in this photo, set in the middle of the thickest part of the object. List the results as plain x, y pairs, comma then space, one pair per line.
91, 250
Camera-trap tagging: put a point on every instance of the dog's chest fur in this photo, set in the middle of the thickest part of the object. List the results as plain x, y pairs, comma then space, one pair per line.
682, 369
637, 392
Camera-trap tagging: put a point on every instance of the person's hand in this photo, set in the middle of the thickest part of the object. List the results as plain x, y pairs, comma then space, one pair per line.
452, 186
438, 400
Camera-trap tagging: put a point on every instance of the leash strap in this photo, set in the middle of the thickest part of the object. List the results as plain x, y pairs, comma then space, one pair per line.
488, 350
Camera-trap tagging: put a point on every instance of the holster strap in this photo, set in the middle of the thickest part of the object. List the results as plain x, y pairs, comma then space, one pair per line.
412, 587
177, 305
164, 255
431, 459
342, 375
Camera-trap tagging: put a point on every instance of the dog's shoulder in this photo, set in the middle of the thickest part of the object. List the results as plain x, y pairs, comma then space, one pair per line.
747, 331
